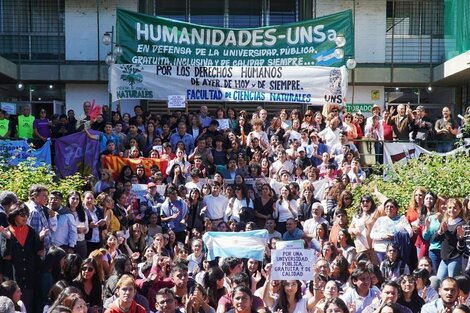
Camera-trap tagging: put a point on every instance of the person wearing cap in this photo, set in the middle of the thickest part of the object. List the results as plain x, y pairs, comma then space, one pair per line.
302, 160
376, 110
152, 198
315, 149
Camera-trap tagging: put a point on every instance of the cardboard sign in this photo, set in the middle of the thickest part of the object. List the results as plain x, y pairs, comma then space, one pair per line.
292, 264
176, 101
223, 124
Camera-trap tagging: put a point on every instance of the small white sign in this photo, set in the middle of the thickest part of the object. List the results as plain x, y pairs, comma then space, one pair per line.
224, 124
8, 107
176, 102
292, 264
290, 244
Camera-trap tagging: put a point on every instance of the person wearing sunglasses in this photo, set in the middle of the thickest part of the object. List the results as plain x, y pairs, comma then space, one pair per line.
42, 126
89, 283
23, 250
361, 226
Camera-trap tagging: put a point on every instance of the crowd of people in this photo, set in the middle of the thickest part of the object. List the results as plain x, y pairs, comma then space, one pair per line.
102, 249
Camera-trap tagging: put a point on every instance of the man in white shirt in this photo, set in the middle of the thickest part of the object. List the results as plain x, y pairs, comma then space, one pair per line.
311, 224
215, 205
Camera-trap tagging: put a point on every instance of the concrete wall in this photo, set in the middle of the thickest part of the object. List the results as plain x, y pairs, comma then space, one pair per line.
76, 94
85, 23
370, 26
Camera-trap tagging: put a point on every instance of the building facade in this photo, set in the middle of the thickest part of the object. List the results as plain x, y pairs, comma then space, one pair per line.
55, 49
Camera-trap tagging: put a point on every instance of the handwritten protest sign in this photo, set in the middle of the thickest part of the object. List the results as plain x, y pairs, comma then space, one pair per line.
292, 264
176, 101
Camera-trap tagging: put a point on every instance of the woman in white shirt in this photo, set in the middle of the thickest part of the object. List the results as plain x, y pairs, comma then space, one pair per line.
74, 203
284, 209
240, 200
387, 226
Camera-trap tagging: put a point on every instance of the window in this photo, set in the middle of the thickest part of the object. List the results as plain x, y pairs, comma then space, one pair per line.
230, 13
32, 30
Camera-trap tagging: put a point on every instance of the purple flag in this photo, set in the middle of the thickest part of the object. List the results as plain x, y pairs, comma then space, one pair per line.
77, 153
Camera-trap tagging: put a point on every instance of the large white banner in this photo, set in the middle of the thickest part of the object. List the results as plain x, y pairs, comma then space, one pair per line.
289, 84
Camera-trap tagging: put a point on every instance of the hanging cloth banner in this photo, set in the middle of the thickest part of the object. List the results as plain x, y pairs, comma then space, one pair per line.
290, 84
150, 40
17, 151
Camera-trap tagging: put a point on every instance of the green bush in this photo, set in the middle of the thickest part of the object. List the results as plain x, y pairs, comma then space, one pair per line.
445, 176
19, 179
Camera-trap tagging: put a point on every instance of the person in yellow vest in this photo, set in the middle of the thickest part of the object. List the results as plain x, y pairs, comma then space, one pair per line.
4, 125
25, 123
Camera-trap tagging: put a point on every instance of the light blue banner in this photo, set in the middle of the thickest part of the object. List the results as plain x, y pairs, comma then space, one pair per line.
249, 244
16, 151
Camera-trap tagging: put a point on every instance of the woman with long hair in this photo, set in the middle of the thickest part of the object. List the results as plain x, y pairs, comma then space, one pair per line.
413, 215
264, 205
452, 236
329, 251
121, 265
252, 268
74, 204
10, 289
89, 283
346, 245
361, 226
195, 204
339, 271
431, 225
214, 284
305, 201
136, 240
52, 271
290, 298
409, 294
284, 208
96, 221
176, 175
106, 204
150, 134
241, 200
275, 129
